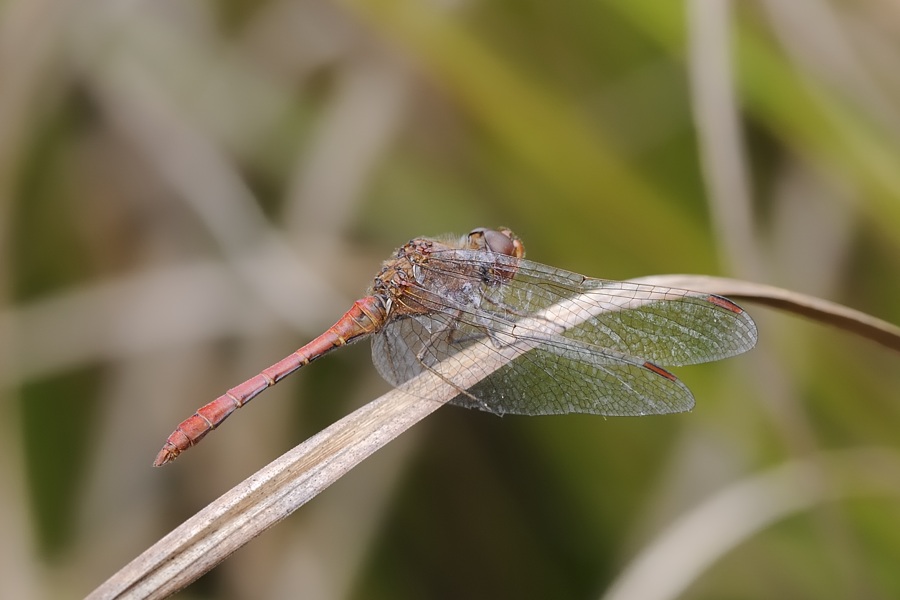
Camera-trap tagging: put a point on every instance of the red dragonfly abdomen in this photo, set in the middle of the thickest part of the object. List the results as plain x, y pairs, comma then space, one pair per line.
366, 316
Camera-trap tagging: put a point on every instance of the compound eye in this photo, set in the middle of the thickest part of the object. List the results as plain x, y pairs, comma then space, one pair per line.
501, 242
498, 242
517, 248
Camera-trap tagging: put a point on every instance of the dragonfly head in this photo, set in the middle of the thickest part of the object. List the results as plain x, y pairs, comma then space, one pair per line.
501, 241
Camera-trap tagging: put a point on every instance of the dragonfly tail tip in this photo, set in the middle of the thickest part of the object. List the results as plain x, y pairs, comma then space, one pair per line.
165, 456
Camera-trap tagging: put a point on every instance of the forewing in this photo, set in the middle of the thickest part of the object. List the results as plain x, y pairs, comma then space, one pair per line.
666, 326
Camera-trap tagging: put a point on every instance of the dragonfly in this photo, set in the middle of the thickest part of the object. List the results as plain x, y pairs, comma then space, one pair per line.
584, 345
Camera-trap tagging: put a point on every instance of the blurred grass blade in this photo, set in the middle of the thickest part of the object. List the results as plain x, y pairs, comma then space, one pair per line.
561, 145
814, 119
731, 516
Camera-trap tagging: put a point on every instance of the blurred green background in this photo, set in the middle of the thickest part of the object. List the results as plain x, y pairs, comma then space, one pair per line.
191, 190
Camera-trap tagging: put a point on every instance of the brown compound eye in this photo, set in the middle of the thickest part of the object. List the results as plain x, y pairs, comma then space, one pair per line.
518, 248
503, 241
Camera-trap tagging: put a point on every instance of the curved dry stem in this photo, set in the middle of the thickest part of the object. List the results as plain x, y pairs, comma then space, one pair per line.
284, 485
268, 496
664, 571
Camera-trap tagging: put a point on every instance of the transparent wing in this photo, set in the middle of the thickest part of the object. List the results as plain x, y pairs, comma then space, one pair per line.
593, 345
557, 376
667, 326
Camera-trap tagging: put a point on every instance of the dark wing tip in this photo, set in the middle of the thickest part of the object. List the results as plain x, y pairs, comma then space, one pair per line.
725, 303
659, 371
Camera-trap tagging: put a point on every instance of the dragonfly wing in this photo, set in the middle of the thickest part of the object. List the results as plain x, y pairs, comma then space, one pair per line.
574, 378
396, 347
407, 346
667, 326
557, 376
589, 345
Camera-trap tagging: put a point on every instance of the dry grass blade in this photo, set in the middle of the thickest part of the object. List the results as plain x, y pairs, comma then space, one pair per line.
268, 496
829, 313
283, 486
